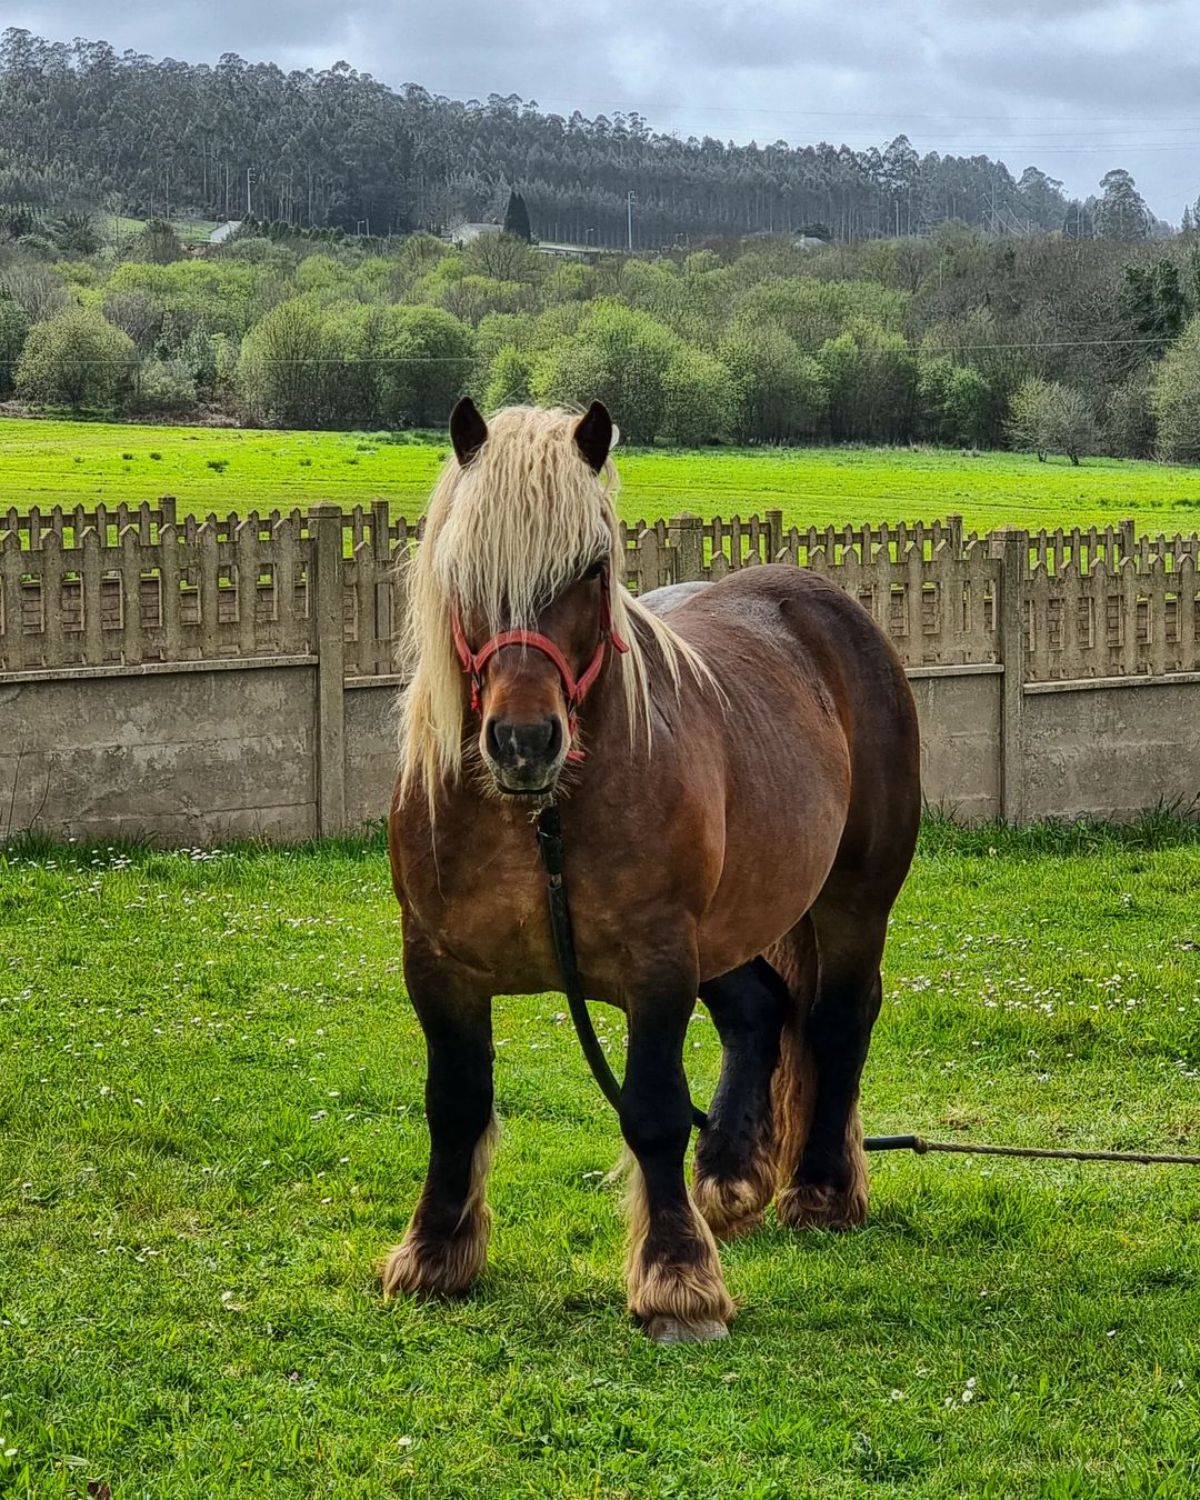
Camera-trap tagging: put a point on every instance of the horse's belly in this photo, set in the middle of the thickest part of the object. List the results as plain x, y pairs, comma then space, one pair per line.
786, 802
767, 886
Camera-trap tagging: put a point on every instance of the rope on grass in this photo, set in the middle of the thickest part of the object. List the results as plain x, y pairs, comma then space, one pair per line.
921, 1146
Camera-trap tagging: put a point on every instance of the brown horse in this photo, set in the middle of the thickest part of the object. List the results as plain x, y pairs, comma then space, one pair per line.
740, 797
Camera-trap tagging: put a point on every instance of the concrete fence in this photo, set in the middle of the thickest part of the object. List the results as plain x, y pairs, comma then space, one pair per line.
200, 680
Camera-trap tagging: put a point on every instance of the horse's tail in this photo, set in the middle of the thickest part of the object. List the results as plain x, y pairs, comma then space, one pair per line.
794, 957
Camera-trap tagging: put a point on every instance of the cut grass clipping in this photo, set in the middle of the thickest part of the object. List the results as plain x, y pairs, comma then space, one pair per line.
210, 1089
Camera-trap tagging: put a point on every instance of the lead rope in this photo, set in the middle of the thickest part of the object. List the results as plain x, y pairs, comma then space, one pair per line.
550, 845
552, 850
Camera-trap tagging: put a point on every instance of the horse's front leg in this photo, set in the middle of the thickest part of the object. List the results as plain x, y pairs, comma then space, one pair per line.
445, 1247
673, 1271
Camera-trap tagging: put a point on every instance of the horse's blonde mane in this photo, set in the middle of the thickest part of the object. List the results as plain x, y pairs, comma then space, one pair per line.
504, 535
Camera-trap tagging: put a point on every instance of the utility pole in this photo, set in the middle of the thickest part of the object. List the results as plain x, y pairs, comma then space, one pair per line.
630, 200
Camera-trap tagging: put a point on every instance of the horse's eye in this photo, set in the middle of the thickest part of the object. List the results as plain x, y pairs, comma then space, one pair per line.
595, 570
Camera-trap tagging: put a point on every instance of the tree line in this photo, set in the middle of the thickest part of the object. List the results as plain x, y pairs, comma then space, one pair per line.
1049, 343
85, 125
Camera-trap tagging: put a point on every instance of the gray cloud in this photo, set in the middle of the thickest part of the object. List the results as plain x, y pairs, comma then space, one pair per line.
1073, 86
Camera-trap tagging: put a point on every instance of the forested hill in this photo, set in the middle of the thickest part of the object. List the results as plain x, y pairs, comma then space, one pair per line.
83, 124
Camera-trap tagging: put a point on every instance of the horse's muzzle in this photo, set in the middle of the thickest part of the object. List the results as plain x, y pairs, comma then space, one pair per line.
525, 756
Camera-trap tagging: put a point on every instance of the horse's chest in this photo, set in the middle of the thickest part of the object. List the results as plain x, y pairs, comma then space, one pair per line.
488, 913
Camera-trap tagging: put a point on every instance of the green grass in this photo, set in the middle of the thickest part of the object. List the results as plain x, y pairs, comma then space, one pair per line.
69, 463
210, 1089
190, 231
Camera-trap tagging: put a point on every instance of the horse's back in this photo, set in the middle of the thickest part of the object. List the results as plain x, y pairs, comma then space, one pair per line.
778, 635
786, 609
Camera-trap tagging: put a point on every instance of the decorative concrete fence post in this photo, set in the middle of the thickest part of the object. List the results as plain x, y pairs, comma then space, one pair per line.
1011, 546
775, 544
685, 536
328, 640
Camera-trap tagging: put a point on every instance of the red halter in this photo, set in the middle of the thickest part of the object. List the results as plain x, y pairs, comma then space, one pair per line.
575, 690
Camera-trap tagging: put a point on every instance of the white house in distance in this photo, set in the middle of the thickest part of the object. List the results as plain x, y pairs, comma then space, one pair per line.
466, 234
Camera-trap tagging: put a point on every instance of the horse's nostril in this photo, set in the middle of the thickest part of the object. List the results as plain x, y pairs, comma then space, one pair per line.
530, 743
553, 737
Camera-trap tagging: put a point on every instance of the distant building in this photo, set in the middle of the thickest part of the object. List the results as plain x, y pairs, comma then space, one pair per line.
566, 251
222, 232
465, 234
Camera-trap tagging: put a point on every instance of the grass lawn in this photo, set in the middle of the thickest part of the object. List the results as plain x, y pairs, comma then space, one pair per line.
222, 469
210, 1088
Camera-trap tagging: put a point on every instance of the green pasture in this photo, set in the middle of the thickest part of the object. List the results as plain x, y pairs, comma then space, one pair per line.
190, 231
210, 1097
222, 469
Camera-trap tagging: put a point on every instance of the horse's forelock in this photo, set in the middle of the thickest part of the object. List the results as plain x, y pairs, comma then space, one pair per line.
505, 533
513, 527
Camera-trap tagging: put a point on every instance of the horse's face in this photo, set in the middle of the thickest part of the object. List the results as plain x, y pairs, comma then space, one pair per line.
525, 713
528, 683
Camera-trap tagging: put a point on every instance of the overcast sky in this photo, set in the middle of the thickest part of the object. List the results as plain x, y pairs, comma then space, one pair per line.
1072, 86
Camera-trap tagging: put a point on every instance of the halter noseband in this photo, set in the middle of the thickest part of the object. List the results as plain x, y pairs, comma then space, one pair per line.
575, 689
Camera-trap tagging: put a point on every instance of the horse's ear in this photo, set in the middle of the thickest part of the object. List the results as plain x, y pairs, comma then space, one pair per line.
468, 430
595, 435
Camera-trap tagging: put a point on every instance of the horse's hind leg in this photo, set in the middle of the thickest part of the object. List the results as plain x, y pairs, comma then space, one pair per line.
734, 1176
823, 1170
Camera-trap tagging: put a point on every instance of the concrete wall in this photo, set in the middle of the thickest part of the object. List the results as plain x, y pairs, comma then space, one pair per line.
207, 752
370, 748
1110, 748
181, 757
960, 710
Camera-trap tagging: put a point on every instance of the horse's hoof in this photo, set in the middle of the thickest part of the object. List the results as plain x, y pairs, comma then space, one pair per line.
730, 1209
736, 1229
665, 1330
418, 1269
809, 1206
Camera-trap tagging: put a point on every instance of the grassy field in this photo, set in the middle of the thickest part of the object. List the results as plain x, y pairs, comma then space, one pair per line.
210, 1089
190, 231
222, 469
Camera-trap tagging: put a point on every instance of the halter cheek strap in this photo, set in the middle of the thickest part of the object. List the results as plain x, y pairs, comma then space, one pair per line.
575, 689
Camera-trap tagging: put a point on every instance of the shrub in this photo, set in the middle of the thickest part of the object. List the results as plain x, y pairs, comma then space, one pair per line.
871, 375
509, 381
1048, 417
14, 326
780, 394
1129, 429
165, 385
1177, 397
77, 359
425, 355
955, 403
699, 400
